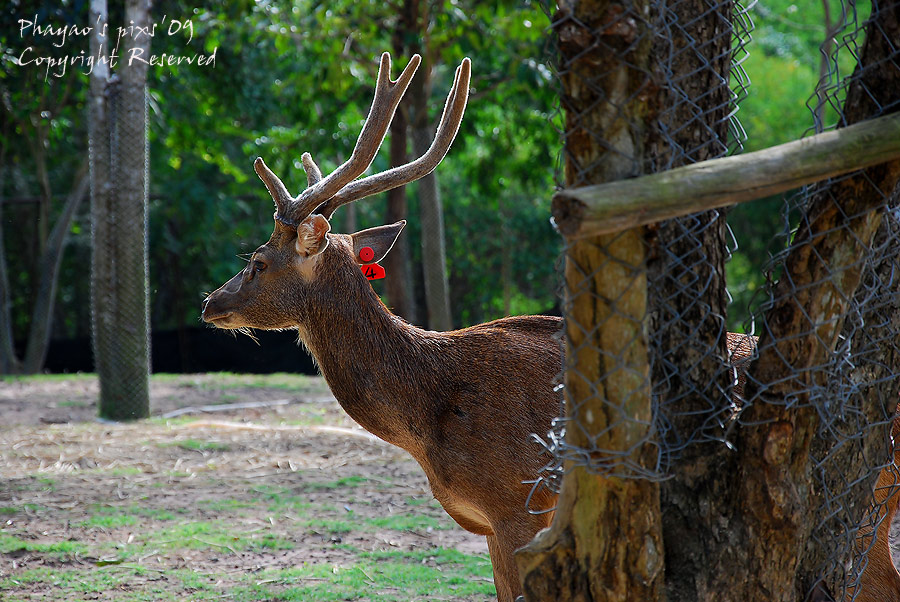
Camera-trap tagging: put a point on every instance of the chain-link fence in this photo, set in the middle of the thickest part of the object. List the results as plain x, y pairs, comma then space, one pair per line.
119, 273
653, 86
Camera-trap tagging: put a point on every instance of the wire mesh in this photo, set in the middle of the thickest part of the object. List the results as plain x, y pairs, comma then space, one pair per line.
120, 290
696, 53
706, 384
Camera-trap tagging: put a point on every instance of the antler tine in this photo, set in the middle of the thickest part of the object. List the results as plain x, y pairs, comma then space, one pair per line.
276, 187
313, 173
424, 165
387, 96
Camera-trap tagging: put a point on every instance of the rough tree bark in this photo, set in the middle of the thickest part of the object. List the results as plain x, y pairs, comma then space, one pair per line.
605, 541
821, 275
758, 512
102, 230
119, 212
687, 275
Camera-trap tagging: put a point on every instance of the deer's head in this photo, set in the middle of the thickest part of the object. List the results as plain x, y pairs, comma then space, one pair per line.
304, 262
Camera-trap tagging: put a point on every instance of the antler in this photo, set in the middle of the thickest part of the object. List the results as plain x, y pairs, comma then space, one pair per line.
387, 96
339, 188
424, 165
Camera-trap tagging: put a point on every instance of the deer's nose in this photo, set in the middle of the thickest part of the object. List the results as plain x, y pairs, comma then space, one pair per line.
209, 311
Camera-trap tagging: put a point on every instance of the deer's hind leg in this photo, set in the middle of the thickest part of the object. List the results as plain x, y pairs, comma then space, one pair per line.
508, 537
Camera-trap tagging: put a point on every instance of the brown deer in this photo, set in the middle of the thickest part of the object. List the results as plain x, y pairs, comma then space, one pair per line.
880, 581
464, 403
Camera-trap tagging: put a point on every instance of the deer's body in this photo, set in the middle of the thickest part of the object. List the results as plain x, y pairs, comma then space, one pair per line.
462, 403
880, 581
465, 403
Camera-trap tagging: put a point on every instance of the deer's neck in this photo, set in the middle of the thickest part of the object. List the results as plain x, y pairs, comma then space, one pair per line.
373, 361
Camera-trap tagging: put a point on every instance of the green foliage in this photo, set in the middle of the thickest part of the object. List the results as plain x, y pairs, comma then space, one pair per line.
292, 77
297, 76
784, 66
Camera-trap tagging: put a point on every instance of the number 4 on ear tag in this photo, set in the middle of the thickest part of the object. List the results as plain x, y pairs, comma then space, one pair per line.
373, 271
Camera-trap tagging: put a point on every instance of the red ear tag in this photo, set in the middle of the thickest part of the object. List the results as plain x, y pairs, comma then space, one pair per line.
366, 254
373, 271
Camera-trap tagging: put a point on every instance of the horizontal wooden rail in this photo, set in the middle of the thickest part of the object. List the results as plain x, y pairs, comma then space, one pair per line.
605, 208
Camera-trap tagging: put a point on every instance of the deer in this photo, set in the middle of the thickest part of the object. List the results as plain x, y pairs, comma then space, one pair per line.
465, 403
880, 580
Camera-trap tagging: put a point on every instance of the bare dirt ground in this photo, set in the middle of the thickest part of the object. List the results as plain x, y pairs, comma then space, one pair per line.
215, 504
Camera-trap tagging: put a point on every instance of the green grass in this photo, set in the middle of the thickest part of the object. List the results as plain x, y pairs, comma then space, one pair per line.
408, 522
389, 577
282, 499
332, 526
9, 544
109, 521
383, 576
48, 378
379, 576
47, 483
230, 380
231, 524
197, 445
210, 380
227, 505
112, 517
124, 471
70, 403
208, 535
342, 483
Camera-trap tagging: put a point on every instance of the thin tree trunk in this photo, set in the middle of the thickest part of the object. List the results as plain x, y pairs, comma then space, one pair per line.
102, 227
434, 254
605, 541
406, 41
42, 313
9, 362
398, 284
431, 213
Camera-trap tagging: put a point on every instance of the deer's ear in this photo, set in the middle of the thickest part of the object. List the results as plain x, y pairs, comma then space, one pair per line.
379, 240
311, 238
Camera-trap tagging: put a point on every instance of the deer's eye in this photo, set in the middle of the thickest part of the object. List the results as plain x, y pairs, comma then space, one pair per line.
258, 266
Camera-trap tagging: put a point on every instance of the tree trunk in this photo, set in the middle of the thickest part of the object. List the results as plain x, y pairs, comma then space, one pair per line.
119, 176
102, 272
48, 276
9, 362
431, 213
766, 494
876, 85
605, 541
397, 263
858, 444
687, 281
